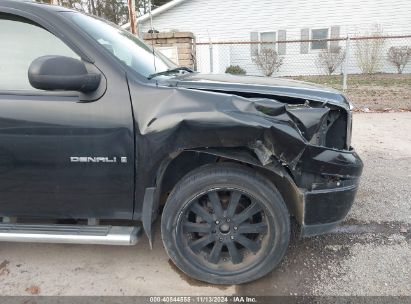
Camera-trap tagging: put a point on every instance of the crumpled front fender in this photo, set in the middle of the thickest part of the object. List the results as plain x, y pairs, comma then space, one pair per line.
171, 120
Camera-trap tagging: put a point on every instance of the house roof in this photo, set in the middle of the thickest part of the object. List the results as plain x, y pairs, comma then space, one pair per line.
155, 12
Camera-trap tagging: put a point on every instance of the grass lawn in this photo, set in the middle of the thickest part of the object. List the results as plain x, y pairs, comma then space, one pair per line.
376, 92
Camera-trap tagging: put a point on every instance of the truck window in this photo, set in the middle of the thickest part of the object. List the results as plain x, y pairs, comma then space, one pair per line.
127, 48
22, 41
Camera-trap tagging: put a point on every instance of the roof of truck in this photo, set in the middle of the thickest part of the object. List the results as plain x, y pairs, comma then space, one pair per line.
27, 5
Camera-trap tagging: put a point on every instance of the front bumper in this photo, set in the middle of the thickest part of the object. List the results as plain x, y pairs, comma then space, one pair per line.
325, 209
325, 204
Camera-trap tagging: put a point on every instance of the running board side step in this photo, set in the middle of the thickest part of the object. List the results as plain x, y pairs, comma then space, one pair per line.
70, 234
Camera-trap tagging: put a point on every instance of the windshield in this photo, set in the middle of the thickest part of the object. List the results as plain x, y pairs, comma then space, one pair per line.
123, 45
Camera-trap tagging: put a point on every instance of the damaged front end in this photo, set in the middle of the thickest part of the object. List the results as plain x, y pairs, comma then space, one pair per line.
321, 162
301, 138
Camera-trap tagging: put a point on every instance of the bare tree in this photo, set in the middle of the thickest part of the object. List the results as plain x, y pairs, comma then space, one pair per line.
369, 52
330, 59
399, 56
268, 61
115, 11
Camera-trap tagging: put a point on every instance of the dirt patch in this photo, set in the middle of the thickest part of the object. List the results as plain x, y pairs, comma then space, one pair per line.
309, 260
353, 226
379, 92
3, 268
33, 289
193, 282
300, 269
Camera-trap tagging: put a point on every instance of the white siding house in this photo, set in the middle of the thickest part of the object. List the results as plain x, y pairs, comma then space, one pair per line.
247, 20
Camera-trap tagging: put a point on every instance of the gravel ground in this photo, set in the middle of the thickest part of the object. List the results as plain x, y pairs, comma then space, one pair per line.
368, 255
384, 143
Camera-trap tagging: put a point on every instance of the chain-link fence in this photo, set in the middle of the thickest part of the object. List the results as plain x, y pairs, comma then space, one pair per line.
338, 56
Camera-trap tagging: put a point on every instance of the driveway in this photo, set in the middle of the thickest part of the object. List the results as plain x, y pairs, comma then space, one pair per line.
370, 254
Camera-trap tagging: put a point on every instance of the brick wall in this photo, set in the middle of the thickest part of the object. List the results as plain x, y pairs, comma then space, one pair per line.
178, 46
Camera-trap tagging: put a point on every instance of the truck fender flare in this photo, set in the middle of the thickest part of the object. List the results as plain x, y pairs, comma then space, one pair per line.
149, 213
243, 154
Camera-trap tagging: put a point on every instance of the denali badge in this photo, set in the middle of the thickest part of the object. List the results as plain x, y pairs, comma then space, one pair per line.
90, 159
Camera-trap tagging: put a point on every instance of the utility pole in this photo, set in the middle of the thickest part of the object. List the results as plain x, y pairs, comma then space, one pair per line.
132, 16
346, 61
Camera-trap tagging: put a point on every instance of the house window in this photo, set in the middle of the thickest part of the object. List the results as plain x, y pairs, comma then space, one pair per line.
320, 35
268, 37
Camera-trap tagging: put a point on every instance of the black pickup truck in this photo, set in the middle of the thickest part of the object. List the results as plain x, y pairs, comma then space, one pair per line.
100, 135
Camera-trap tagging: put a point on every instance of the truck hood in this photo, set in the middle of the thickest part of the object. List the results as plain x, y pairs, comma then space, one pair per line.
276, 87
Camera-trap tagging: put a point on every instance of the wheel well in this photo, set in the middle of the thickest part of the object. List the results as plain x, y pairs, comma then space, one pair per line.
190, 160
180, 166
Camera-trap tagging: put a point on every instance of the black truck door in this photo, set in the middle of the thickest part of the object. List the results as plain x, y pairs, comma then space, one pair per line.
60, 157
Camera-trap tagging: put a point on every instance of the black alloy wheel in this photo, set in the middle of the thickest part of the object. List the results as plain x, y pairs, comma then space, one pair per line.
224, 227
225, 224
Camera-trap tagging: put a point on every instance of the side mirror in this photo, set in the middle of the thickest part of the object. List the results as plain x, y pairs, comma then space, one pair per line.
62, 73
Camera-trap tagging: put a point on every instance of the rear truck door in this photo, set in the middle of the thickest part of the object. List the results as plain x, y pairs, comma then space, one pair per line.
61, 156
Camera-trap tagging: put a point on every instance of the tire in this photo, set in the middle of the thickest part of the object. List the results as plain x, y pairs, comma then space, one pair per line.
225, 224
